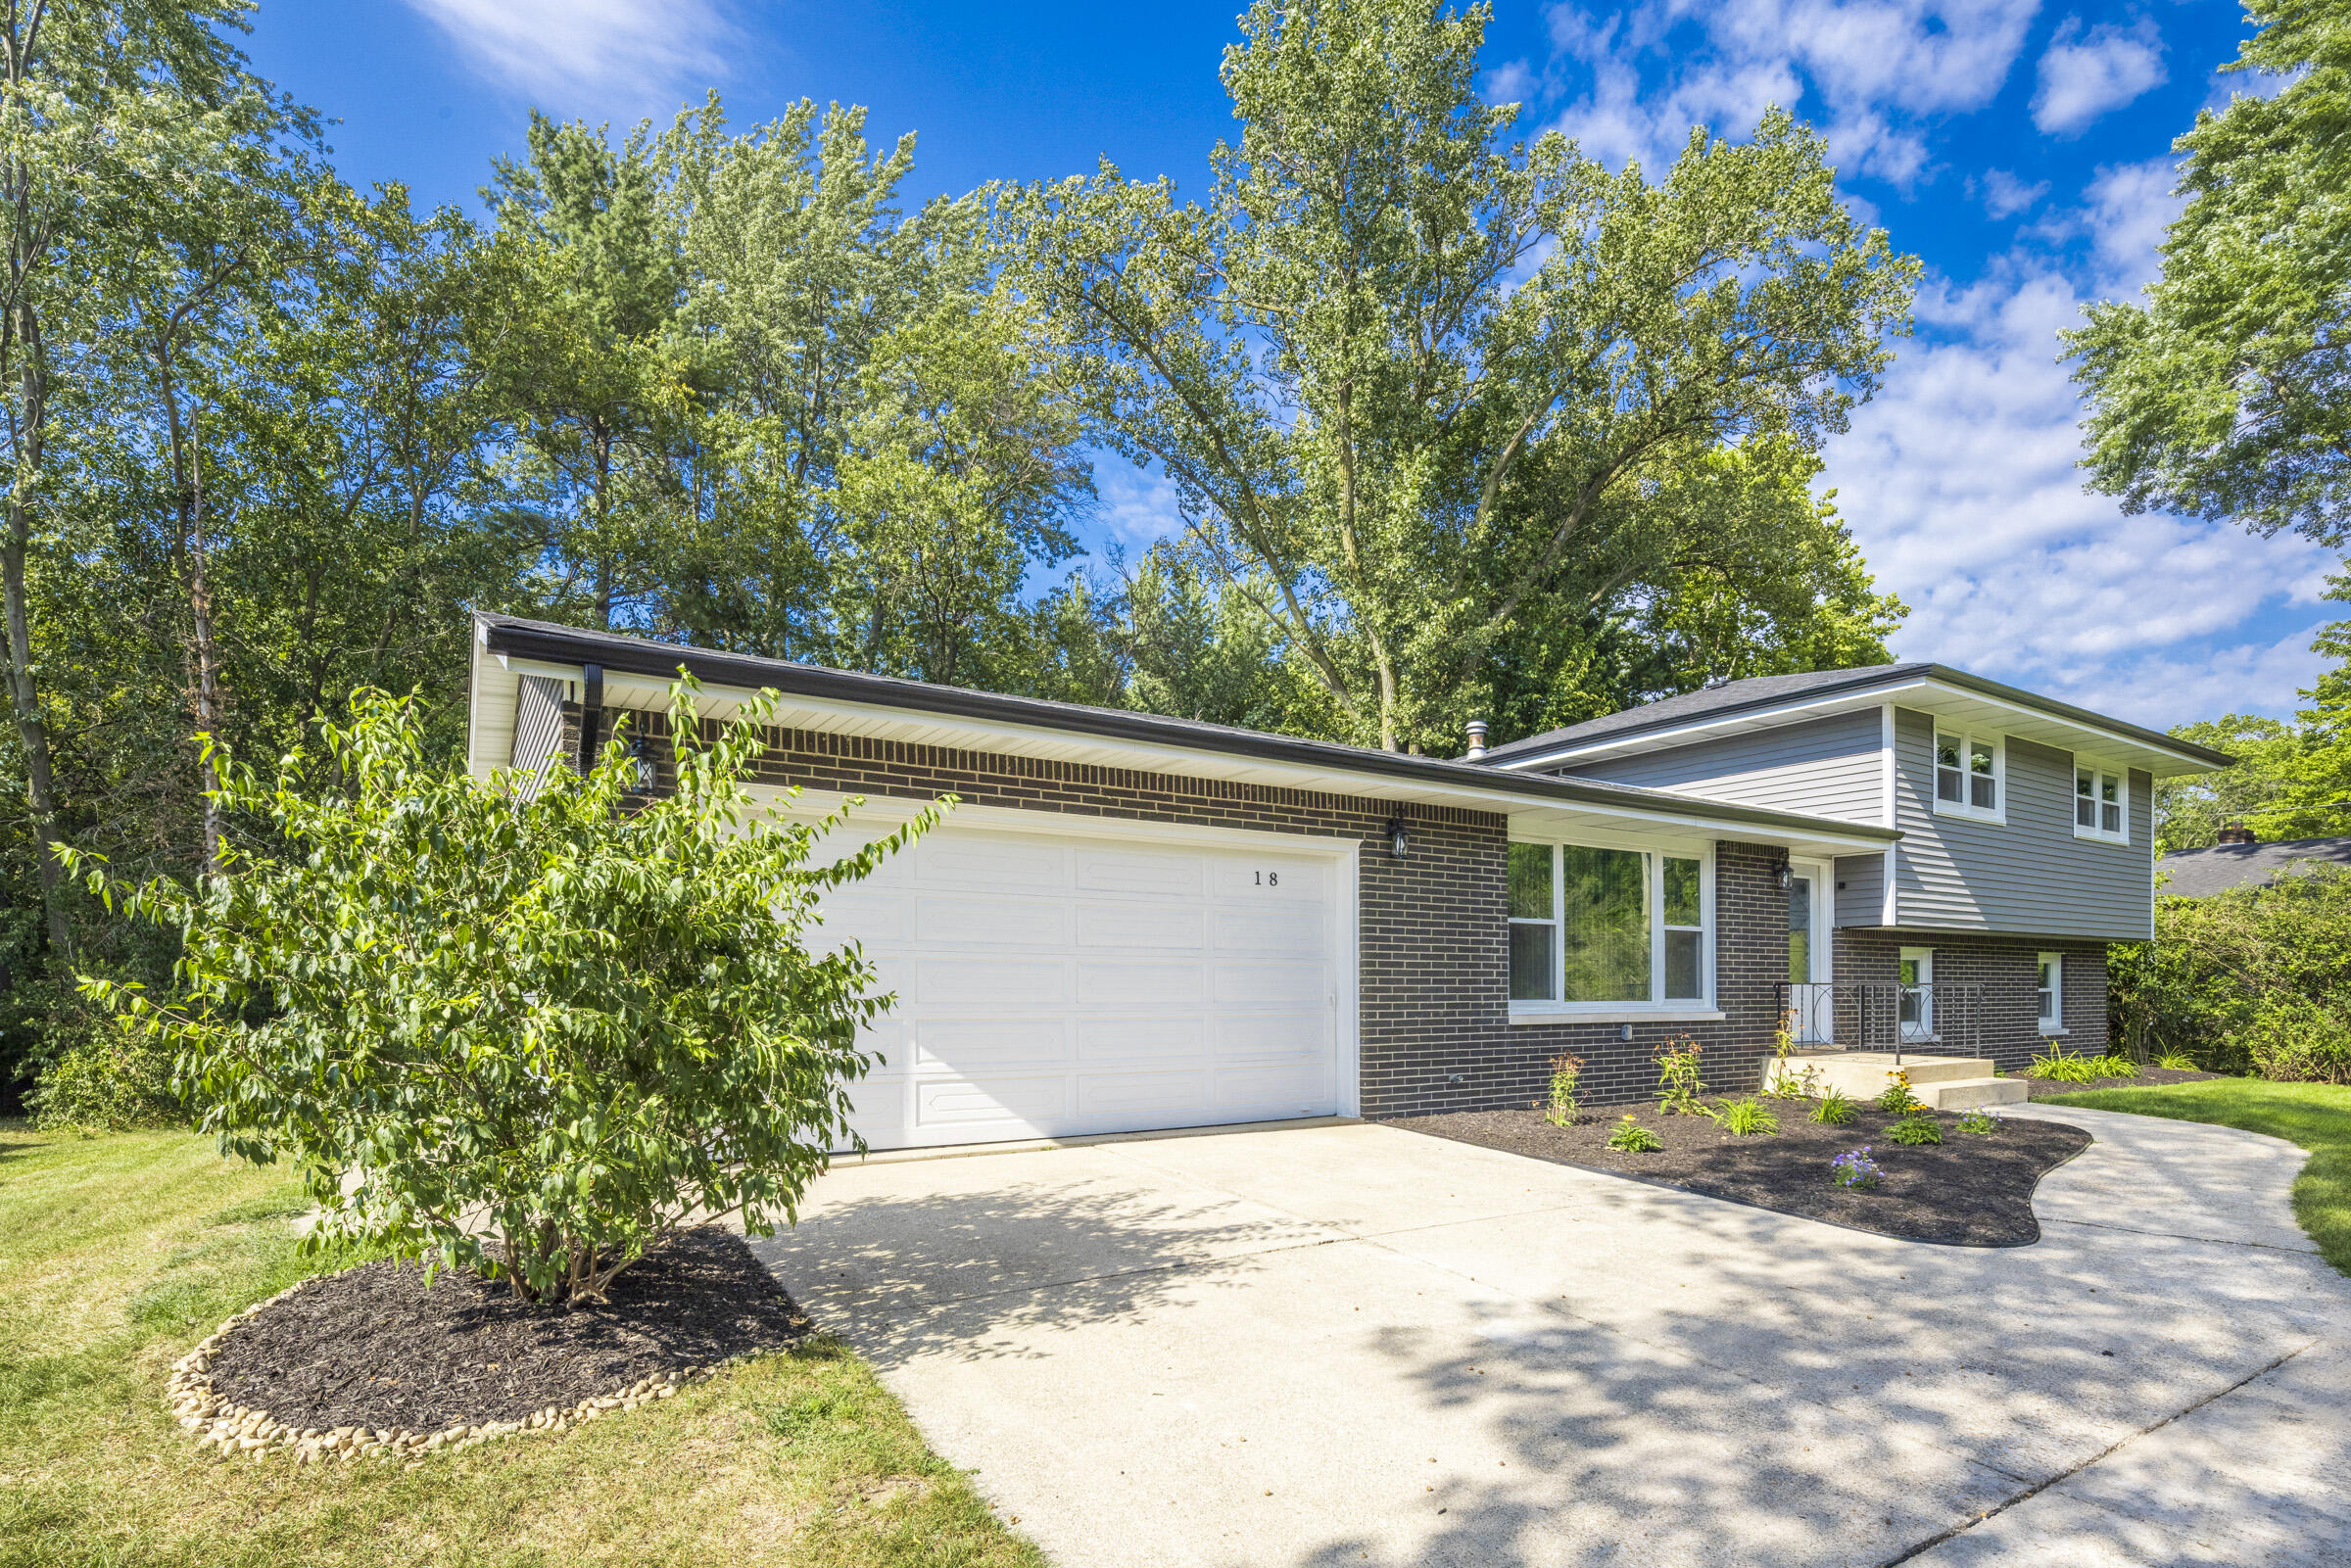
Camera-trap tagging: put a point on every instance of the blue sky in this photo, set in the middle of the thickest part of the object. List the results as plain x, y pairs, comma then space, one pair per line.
2021, 149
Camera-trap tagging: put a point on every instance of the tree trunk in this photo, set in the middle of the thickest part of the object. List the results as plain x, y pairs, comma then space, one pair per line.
25, 699
209, 702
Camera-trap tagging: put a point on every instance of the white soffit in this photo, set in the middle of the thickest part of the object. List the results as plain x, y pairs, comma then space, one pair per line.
495, 696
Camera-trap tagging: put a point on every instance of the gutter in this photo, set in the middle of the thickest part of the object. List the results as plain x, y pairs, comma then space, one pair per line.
643, 657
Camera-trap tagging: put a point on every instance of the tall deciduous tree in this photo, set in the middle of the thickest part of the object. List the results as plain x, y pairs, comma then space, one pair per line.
1410, 379
2225, 391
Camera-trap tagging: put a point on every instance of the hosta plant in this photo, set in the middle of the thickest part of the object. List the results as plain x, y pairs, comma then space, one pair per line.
525, 1034
1919, 1126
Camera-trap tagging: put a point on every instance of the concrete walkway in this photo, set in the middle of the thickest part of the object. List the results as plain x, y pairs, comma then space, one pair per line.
1355, 1344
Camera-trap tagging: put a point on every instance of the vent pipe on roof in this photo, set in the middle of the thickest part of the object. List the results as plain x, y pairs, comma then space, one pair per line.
1477, 738
2238, 833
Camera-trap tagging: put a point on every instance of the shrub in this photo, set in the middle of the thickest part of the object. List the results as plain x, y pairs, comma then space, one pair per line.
1678, 1082
575, 1021
1919, 1126
1634, 1138
1981, 1119
2059, 1068
1898, 1097
1566, 1073
1854, 1169
1834, 1108
112, 1083
1746, 1117
2176, 1062
2296, 1040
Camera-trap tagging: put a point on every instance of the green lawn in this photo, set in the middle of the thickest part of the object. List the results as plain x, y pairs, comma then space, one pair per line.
116, 1253
2315, 1116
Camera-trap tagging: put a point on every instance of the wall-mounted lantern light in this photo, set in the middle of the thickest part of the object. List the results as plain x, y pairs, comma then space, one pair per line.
1785, 875
647, 776
1400, 842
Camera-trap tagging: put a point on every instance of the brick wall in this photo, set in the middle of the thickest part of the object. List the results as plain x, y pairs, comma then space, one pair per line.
1433, 1006
2008, 970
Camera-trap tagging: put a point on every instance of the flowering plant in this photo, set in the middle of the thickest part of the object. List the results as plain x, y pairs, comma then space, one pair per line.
1981, 1119
1854, 1169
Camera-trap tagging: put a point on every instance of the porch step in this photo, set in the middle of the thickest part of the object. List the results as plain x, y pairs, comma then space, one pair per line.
1864, 1074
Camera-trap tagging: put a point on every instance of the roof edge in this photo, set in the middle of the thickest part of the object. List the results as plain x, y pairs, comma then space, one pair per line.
643, 657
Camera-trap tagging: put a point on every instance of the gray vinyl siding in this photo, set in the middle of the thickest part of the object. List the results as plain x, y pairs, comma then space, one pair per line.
2030, 875
1823, 768
1860, 890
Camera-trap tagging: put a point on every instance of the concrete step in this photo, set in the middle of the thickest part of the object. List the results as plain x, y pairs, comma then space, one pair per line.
1864, 1074
1966, 1094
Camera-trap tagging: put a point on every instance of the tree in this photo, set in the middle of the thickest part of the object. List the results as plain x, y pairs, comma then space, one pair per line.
1409, 382
584, 1018
2225, 392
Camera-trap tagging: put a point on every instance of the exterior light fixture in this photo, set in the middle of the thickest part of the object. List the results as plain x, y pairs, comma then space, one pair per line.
1784, 876
647, 776
1400, 842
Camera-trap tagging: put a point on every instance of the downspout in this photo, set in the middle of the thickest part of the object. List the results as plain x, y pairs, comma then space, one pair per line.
591, 714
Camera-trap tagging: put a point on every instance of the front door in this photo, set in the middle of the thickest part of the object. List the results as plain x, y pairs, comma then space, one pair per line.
1810, 997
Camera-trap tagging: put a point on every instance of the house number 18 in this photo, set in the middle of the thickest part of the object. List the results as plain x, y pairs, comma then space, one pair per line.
1268, 878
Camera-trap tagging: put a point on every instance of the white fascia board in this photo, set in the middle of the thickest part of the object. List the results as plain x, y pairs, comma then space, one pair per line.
976, 734
1846, 702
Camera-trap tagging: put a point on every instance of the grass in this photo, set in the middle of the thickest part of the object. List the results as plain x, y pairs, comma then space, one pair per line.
116, 1253
2315, 1116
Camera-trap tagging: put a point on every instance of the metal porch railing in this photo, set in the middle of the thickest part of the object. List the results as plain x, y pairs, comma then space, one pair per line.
1884, 1015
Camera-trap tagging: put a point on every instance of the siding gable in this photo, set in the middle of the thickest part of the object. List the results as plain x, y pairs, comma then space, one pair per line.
1822, 768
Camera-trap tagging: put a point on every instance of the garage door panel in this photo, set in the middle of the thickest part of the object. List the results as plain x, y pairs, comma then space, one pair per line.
1269, 879
1248, 984
992, 922
1290, 928
991, 863
1142, 924
1272, 1091
1154, 1040
972, 1046
991, 982
1151, 1096
1129, 871
1064, 985
1140, 983
962, 1103
1276, 1038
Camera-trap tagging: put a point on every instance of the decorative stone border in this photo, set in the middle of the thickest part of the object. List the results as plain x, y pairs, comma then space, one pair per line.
255, 1434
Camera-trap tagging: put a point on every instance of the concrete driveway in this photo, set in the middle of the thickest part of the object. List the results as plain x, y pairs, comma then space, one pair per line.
1349, 1343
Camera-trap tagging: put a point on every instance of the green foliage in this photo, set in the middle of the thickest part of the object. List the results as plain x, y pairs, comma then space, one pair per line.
1566, 1073
1631, 1138
1918, 1126
1979, 1121
2059, 1066
106, 1082
574, 1022
2253, 979
1898, 1097
1745, 1118
1834, 1108
1678, 1083
2176, 1062
2224, 392
1443, 406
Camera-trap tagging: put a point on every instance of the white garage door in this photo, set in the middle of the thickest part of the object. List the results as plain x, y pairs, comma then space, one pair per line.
1056, 985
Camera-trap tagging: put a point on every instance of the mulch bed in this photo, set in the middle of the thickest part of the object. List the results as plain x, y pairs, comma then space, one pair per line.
1971, 1190
375, 1347
2148, 1078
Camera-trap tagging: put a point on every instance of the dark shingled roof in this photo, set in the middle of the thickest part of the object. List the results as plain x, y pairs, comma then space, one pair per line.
1764, 691
2197, 872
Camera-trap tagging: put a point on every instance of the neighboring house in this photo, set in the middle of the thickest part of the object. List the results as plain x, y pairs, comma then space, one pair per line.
2239, 860
1134, 922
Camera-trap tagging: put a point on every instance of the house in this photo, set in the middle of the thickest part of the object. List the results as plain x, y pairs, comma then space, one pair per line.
1134, 921
2240, 860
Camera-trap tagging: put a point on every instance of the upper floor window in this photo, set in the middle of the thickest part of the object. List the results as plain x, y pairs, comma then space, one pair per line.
1597, 927
2101, 804
1970, 774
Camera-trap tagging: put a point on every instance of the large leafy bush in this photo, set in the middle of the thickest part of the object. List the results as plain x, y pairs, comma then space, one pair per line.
2254, 979
527, 1039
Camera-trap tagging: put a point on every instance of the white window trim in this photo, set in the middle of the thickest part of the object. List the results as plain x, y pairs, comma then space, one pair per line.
1999, 773
2100, 772
2049, 1025
1658, 1007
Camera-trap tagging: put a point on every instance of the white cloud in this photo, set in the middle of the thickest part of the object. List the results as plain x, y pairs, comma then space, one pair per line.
1959, 483
598, 52
2130, 205
1135, 507
2004, 195
2085, 74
